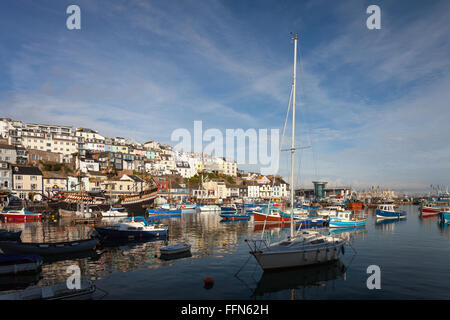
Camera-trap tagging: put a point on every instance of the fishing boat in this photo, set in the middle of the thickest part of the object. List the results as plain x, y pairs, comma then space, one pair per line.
14, 264
305, 247
445, 215
8, 235
132, 228
115, 212
20, 215
48, 249
428, 211
270, 214
346, 219
235, 216
228, 208
354, 205
58, 291
387, 211
175, 249
208, 208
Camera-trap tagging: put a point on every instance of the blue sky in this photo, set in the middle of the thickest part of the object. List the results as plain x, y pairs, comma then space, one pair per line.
373, 103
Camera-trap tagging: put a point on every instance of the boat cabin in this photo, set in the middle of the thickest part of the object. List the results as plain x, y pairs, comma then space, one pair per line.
386, 207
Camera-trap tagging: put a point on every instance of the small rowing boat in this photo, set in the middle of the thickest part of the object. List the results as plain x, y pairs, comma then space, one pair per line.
175, 249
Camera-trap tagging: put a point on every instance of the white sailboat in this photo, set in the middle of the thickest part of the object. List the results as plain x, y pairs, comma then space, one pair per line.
306, 248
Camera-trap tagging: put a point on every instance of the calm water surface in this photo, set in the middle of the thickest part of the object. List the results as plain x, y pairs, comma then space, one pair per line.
413, 255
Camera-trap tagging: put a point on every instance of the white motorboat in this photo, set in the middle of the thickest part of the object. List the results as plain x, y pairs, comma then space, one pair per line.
330, 211
115, 212
208, 208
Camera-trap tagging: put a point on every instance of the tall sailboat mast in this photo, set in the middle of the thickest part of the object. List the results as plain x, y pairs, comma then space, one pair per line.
293, 135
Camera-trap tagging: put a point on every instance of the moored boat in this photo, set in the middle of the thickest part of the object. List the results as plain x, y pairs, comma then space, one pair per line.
115, 212
270, 214
21, 215
132, 228
428, 211
47, 249
228, 208
346, 219
207, 208
175, 249
235, 216
445, 215
387, 211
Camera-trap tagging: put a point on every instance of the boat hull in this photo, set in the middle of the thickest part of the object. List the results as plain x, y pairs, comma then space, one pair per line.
26, 216
286, 260
383, 214
261, 217
346, 224
429, 211
231, 216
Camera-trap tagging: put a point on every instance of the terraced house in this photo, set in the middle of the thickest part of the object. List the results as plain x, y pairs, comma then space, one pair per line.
26, 181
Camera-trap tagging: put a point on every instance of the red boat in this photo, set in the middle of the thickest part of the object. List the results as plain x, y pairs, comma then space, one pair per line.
21, 215
273, 216
429, 211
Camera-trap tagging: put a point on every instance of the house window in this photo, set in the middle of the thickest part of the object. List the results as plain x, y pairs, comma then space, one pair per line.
19, 178
19, 186
33, 178
33, 186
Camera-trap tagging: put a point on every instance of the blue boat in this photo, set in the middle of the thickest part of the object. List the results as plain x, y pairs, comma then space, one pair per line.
387, 211
445, 215
162, 211
310, 223
346, 219
229, 208
234, 216
132, 228
9, 236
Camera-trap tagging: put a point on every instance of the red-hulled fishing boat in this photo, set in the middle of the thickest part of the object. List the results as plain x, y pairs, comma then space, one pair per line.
428, 211
21, 215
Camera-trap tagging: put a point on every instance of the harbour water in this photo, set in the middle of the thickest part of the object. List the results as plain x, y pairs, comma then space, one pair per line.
413, 256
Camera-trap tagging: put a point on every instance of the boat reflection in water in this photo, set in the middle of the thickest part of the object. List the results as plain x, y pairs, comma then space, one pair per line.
19, 281
347, 233
387, 224
304, 277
